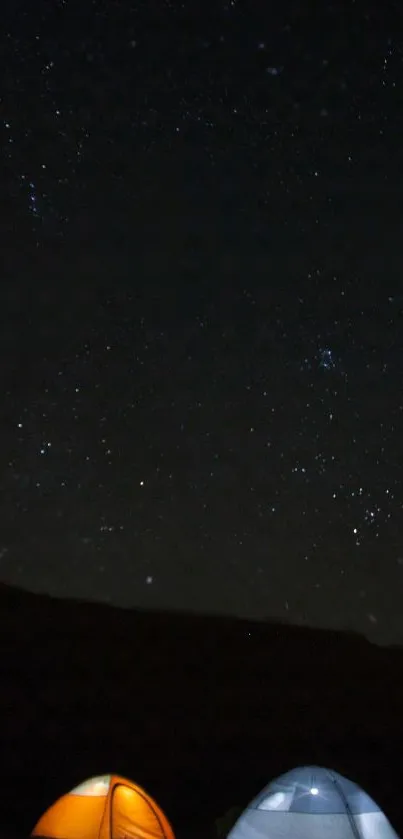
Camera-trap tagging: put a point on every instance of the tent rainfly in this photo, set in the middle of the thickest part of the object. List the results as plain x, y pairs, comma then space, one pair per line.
312, 803
108, 807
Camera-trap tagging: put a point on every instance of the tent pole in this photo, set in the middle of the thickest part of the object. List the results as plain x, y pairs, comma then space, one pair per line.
351, 818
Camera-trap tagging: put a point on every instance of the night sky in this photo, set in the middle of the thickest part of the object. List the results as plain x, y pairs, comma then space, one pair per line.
201, 307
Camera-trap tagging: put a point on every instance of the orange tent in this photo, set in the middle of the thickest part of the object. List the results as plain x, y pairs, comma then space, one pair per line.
108, 807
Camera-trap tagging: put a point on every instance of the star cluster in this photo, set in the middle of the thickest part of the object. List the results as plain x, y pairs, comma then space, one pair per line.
202, 401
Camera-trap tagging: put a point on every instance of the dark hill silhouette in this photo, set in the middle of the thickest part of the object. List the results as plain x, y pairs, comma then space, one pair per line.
200, 710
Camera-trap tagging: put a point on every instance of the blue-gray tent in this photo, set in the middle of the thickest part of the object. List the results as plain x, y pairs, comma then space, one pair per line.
311, 802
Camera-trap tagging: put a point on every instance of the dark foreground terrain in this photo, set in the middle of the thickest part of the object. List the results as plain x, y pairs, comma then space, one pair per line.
201, 711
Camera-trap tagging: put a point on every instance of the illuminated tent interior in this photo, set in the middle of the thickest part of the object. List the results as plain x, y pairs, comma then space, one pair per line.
312, 803
108, 807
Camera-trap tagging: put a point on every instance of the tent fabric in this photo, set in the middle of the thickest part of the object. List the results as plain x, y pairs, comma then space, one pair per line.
311, 802
107, 807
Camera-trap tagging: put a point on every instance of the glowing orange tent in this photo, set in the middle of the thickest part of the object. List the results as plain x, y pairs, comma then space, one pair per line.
108, 807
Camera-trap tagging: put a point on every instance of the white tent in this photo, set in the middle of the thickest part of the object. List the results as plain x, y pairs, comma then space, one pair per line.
312, 803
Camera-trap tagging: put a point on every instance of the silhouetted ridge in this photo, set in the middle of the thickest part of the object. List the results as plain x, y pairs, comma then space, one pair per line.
46, 606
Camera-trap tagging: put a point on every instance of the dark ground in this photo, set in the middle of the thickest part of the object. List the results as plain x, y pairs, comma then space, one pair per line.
201, 711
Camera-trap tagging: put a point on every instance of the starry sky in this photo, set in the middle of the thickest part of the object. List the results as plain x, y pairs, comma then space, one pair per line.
201, 318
